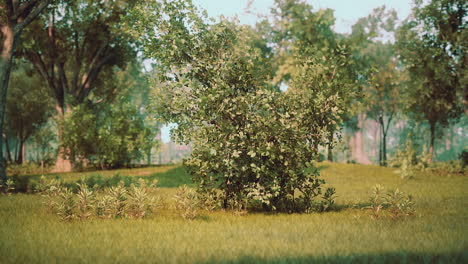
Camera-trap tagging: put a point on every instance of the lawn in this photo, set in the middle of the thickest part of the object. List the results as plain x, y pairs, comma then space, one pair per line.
437, 233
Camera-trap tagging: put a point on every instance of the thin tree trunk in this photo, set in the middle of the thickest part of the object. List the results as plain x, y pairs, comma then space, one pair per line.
21, 152
384, 150
431, 146
7, 149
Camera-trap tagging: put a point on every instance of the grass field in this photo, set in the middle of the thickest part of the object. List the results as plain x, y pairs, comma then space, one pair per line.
437, 233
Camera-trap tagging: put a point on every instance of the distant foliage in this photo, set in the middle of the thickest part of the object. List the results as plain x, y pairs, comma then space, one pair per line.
107, 137
409, 161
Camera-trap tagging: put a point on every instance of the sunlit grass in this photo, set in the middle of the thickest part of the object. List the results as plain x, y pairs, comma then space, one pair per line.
437, 233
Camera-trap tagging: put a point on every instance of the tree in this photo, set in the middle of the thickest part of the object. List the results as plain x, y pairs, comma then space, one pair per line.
379, 69
28, 108
383, 93
114, 132
432, 45
74, 46
15, 16
250, 140
304, 36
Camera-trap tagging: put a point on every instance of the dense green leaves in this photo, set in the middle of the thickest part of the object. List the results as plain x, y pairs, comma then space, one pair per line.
249, 139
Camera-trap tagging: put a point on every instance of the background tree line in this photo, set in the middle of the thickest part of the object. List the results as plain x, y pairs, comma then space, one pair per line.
78, 78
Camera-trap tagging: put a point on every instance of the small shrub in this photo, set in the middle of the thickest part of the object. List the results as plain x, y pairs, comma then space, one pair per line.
399, 204
140, 203
328, 200
395, 202
104, 206
85, 201
66, 205
118, 196
187, 202
114, 202
209, 200
376, 201
7, 187
409, 161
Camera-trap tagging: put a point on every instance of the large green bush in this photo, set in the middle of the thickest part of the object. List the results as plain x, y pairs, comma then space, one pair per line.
250, 140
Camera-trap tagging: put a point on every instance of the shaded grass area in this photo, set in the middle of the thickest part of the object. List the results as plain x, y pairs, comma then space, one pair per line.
168, 176
30, 234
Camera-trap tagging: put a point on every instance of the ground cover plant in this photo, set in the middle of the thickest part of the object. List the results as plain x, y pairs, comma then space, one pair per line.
435, 233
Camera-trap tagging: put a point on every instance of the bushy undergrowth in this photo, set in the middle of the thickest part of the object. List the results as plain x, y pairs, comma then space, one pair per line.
26, 168
409, 161
118, 201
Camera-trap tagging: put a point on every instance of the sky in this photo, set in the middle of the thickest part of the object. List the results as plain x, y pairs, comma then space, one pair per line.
347, 12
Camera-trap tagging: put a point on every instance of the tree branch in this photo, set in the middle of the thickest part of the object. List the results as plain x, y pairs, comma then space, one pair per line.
31, 16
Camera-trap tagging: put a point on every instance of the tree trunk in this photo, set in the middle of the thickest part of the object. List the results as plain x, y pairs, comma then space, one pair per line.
148, 161
7, 149
431, 146
21, 152
384, 150
16, 16
6, 60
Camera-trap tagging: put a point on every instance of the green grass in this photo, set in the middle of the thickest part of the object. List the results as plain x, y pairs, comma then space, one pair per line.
438, 232
168, 176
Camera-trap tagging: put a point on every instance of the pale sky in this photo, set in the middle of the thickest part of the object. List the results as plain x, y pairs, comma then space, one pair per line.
347, 12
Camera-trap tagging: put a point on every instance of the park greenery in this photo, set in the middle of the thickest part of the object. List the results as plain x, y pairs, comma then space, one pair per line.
268, 111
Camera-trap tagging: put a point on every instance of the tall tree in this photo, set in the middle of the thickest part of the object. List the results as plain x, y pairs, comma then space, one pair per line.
378, 66
28, 107
432, 45
305, 38
74, 47
382, 94
15, 16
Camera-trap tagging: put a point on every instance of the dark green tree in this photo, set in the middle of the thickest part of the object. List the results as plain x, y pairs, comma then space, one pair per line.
432, 46
15, 16
28, 108
75, 46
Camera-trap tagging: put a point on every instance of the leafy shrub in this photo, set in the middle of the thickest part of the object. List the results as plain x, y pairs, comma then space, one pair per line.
376, 201
140, 203
50, 190
399, 204
110, 202
394, 202
85, 201
447, 168
328, 201
409, 161
66, 205
187, 202
250, 140
7, 187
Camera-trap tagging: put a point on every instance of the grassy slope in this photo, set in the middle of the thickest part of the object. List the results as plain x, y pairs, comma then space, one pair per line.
29, 234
